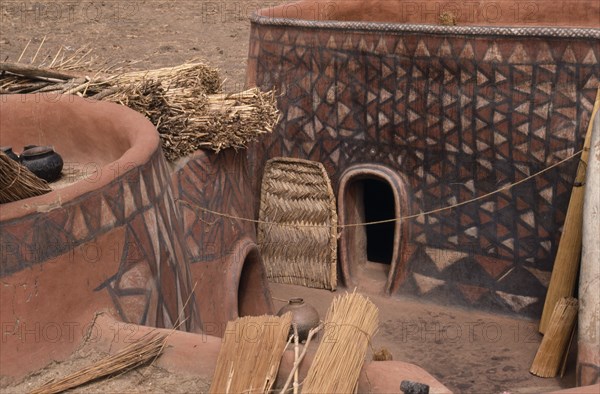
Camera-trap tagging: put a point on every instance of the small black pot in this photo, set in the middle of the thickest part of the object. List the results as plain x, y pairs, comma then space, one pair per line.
7, 150
29, 147
43, 161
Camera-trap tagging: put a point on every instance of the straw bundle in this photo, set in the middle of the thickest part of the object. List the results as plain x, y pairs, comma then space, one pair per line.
300, 247
183, 102
566, 263
353, 320
250, 354
139, 353
553, 348
17, 182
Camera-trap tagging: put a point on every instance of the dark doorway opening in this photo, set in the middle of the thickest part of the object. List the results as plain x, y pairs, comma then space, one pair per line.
378, 198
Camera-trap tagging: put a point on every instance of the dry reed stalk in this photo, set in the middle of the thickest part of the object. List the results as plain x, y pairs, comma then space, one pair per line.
336, 367
250, 354
550, 354
17, 182
566, 263
144, 350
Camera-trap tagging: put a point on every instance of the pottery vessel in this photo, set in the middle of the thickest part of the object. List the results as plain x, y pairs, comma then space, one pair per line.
305, 316
7, 150
43, 161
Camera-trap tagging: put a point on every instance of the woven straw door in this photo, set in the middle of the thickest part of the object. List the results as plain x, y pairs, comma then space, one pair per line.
297, 231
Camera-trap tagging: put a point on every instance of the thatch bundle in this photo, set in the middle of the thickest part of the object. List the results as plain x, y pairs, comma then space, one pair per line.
250, 354
352, 320
141, 352
17, 182
183, 102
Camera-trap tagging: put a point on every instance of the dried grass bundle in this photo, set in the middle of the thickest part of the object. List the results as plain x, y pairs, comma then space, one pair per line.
17, 182
183, 102
144, 350
250, 354
352, 320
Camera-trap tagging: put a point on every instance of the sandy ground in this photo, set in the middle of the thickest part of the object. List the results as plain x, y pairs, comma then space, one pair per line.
467, 351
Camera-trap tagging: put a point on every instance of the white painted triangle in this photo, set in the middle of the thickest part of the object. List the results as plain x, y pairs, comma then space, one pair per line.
523, 108
467, 149
472, 231
400, 48
569, 55
128, 200
481, 79
480, 124
467, 52
481, 146
493, 54
542, 276
509, 243
381, 47
383, 120
443, 258
544, 55
519, 55
489, 206
385, 95
412, 116
592, 83
500, 77
78, 226
348, 44
343, 111
498, 117
412, 96
331, 44
448, 125
481, 102
107, 217
453, 240
590, 58
451, 148
547, 194
464, 100
445, 49
370, 97
470, 185
528, 218
421, 49
524, 128
485, 163
152, 225
426, 284
542, 111
517, 302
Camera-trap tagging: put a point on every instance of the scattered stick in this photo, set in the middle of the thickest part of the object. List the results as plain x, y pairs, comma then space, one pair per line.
297, 362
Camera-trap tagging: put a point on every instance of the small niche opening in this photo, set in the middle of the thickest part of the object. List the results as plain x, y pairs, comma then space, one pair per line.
378, 198
250, 291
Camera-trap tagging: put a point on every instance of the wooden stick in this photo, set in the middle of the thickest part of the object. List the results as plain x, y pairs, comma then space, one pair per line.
297, 362
566, 263
33, 72
295, 357
549, 357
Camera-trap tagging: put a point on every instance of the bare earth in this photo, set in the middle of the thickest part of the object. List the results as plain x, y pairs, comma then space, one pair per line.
468, 352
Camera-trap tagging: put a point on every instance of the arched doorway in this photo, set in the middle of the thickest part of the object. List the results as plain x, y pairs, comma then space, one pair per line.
251, 286
371, 256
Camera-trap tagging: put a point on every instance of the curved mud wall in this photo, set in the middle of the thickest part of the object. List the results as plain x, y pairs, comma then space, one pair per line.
460, 112
107, 243
220, 249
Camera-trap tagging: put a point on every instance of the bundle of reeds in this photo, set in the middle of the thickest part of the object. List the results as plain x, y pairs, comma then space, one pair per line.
353, 320
250, 354
185, 102
144, 350
553, 349
17, 182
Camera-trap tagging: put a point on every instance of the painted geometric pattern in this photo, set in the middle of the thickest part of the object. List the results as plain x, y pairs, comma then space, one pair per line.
142, 202
220, 183
460, 117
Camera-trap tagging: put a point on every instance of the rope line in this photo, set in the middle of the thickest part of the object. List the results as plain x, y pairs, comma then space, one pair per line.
413, 216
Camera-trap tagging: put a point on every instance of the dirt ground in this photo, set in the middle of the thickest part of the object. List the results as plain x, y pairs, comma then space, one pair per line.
133, 34
468, 352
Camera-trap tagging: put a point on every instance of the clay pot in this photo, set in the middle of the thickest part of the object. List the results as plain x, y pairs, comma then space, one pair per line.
7, 150
26, 147
43, 161
303, 314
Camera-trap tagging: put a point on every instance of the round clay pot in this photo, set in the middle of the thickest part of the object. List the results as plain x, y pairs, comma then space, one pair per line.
303, 315
43, 161
7, 150
26, 147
